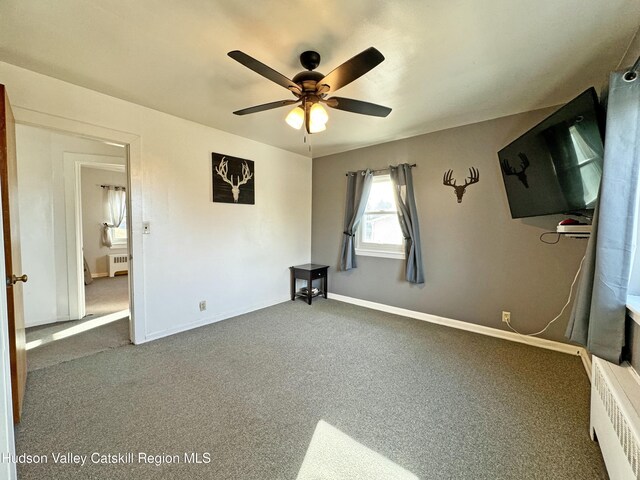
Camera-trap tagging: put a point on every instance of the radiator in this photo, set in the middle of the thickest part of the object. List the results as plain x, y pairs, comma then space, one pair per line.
615, 417
117, 263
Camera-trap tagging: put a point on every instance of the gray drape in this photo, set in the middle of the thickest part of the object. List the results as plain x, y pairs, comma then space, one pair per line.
598, 317
402, 181
358, 188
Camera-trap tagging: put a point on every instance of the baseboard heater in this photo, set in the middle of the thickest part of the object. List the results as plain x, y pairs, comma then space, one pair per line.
615, 417
118, 263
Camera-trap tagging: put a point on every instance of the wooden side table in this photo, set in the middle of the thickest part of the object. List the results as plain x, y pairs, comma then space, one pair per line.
309, 272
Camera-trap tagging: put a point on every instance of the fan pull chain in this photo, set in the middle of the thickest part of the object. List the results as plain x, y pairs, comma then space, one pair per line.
304, 137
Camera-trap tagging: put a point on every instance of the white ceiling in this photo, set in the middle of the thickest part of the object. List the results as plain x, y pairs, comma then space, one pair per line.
448, 62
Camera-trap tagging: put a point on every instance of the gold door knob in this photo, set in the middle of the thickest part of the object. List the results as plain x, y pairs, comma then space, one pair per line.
21, 278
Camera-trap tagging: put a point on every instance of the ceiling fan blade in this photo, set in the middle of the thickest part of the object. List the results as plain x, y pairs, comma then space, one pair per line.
352, 69
265, 106
357, 106
264, 70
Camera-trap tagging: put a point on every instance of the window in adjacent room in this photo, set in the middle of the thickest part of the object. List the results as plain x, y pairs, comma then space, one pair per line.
119, 234
379, 233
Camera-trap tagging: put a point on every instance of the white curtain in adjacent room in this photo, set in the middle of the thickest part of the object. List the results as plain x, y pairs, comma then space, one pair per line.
116, 210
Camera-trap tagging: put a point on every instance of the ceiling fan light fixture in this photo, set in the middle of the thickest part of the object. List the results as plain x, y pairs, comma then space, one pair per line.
318, 118
295, 118
317, 127
317, 114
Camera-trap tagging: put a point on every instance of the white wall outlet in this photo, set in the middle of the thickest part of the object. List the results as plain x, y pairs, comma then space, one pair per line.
146, 228
506, 317
203, 305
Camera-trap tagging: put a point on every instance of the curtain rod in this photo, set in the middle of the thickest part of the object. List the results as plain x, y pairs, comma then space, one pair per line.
380, 170
113, 186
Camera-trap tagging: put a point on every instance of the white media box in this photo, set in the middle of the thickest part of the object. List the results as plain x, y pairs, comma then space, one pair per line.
575, 231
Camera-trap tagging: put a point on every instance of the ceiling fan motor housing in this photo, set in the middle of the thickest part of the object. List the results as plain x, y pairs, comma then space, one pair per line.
308, 80
310, 59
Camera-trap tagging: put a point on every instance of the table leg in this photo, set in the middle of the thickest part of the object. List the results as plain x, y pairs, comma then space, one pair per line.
325, 282
309, 289
293, 284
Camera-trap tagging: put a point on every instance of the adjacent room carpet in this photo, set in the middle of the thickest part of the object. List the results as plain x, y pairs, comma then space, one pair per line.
104, 296
107, 295
328, 391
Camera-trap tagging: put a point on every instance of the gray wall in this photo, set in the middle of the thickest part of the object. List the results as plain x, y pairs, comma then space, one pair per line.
478, 261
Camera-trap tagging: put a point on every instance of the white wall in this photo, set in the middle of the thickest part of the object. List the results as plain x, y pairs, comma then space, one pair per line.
7, 444
236, 257
43, 235
93, 216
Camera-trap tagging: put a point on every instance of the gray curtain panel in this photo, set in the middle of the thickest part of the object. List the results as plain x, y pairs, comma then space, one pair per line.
408, 216
598, 317
358, 188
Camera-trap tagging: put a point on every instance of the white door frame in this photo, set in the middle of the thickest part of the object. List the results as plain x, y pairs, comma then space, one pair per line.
132, 144
73, 163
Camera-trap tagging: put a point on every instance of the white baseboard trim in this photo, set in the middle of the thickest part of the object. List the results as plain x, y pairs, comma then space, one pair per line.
209, 320
586, 361
472, 327
99, 275
64, 318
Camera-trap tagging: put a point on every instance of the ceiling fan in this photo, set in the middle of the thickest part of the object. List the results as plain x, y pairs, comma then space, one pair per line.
311, 88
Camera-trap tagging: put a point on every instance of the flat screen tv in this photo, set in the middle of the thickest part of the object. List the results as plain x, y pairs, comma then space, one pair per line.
556, 166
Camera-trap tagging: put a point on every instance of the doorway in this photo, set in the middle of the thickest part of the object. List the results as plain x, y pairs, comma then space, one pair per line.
63, 208
104, 242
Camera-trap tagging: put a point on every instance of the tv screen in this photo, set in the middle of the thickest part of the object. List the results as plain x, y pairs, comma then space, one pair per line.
556, 166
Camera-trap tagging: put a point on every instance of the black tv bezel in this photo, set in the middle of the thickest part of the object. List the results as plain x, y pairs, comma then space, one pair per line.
600, 119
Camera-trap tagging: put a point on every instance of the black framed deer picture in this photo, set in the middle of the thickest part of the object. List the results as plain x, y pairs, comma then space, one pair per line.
233, 179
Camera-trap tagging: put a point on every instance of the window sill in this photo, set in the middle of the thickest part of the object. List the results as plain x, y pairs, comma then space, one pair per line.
377, 253
119, 246
633, 307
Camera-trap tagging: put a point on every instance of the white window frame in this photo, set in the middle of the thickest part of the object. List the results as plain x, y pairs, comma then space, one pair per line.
118, 243
382, 250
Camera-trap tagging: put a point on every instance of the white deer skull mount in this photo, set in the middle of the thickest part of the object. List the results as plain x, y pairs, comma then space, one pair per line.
223, 170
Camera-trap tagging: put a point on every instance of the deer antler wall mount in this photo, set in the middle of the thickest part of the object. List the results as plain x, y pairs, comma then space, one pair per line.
226, 185
474, 177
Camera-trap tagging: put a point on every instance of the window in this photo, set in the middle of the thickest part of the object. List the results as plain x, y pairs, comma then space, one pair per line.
119, 234
379, 233
589, 162
115, 207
